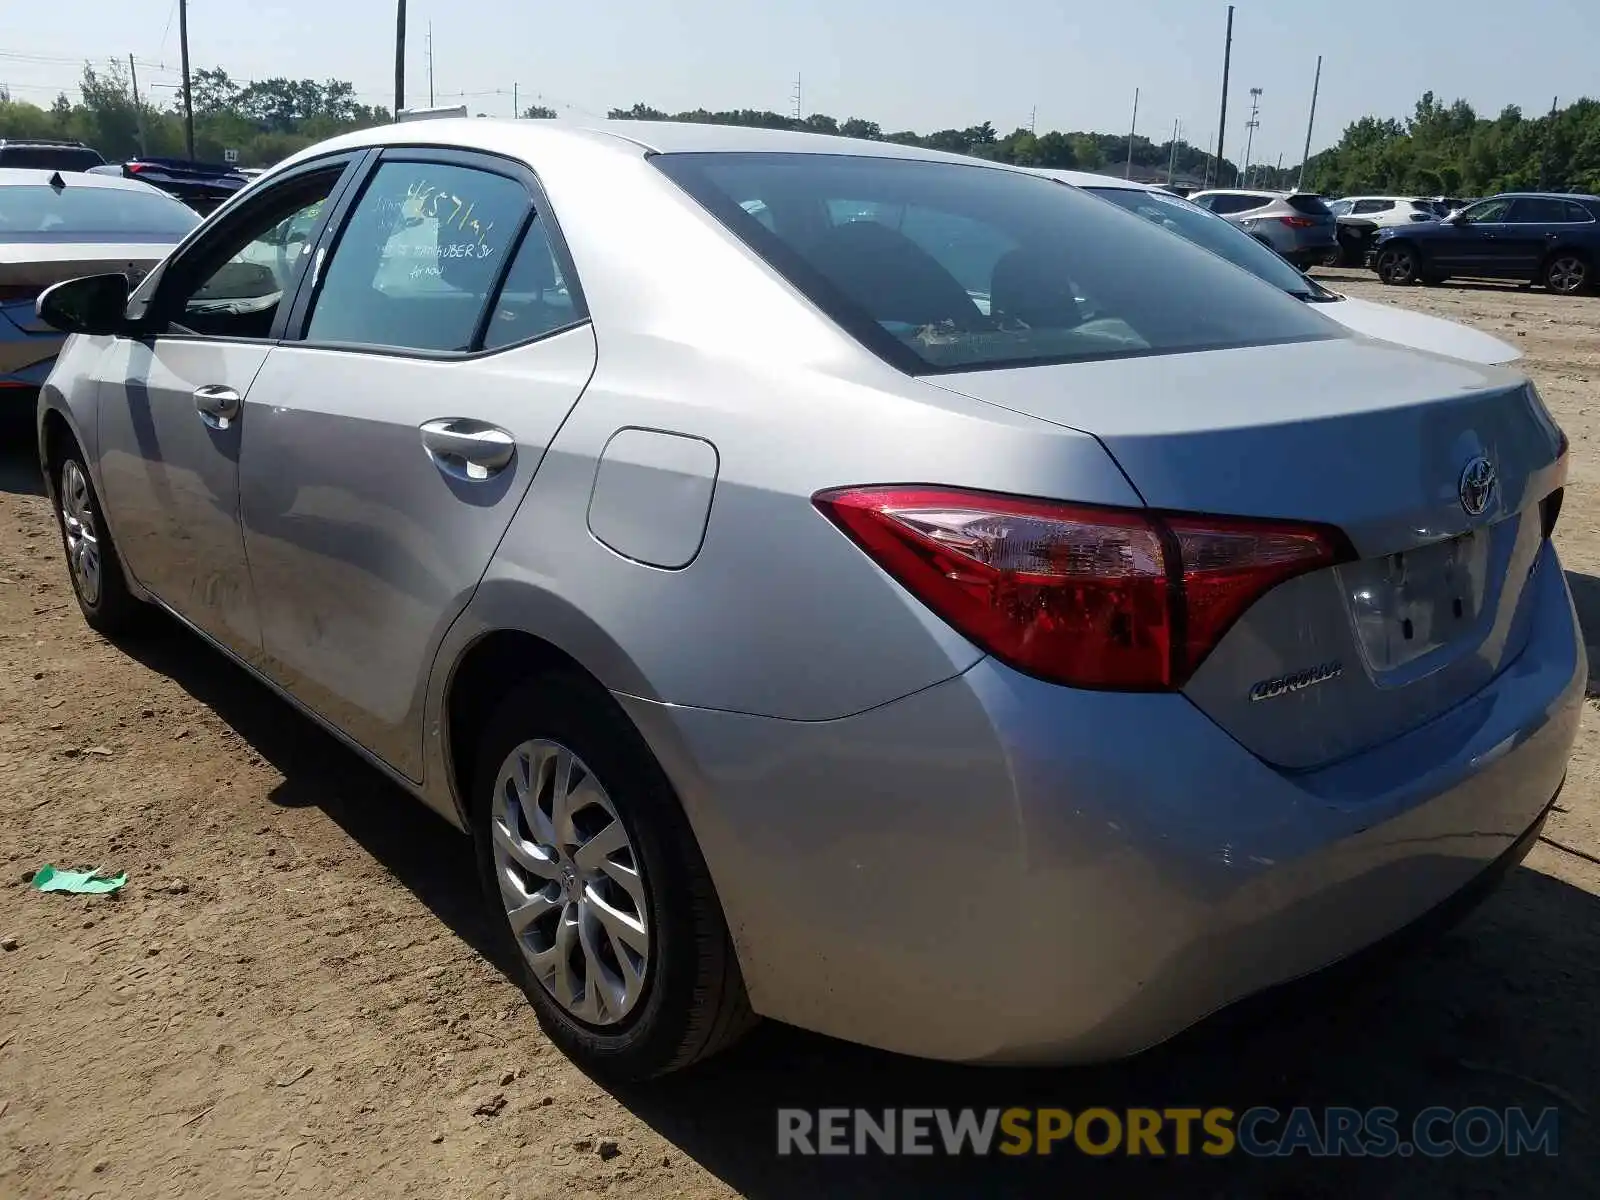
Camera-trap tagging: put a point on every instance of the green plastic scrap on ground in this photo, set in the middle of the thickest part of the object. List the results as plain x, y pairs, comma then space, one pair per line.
81, 883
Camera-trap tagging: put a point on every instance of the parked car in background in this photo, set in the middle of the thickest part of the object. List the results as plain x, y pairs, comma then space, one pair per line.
659, 503
1384, 211
202, 186
48, 154
1399, 325
1297, 225
1532, 237
58, 225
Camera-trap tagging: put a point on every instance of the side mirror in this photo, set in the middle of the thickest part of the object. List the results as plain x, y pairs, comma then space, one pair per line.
93, 304
1455, 218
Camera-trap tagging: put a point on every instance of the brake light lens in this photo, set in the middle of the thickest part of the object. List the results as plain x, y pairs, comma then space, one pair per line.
1116, 599
1298, 222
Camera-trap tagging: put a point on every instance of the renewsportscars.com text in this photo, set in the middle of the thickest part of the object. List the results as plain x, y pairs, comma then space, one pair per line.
1215, 1132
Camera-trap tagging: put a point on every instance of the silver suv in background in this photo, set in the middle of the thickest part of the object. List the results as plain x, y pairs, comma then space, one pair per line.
1297, 225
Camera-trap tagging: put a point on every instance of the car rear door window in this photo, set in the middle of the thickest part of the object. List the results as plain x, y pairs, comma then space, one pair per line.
1371, 206
1577, 214
1234, 204
537, 297
1537, 210
419, 258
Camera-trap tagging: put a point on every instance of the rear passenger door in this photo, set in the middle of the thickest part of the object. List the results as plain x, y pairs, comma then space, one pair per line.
434, 351
1532, 227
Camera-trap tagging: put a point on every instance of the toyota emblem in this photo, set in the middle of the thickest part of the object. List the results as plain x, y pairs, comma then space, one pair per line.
1477, 485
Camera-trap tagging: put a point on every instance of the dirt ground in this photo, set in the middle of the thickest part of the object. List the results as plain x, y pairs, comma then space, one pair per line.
293, 997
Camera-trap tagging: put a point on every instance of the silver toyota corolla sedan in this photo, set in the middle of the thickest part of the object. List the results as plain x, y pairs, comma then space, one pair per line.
893, 594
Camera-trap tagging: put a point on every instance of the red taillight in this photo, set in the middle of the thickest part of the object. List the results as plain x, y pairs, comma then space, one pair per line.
1093, 597
1298, 222
134, 168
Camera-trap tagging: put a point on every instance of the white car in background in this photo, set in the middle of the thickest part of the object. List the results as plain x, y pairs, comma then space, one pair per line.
1384, 211
1385, 322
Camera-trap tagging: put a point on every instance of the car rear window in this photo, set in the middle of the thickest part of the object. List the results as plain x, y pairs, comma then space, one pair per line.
940, 266
1311, 206
36, 212
1193, 223
50, 158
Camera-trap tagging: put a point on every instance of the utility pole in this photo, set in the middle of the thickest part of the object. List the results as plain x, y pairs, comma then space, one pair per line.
430, 64
1251, 126
1544, 153
399, 57
796, 97
1033, 119
1205, 180
516, 110
188, 100
138, 109
1315, 84
1172, 158
1222, 120
1127, 171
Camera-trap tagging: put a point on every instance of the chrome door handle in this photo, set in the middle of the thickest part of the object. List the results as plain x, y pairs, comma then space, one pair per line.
217, 405
468, 449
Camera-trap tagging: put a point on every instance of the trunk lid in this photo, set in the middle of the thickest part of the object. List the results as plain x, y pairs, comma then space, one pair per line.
1373, 439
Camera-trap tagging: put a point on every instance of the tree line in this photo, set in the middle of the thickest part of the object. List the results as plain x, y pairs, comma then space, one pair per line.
1438, 150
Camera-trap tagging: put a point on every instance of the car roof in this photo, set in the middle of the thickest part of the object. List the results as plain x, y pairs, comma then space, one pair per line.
18, 176
527, 136
1545, 196
1088, 179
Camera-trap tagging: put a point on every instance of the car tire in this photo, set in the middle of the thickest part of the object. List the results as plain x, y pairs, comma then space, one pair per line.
1397, 266
683, 999
1567, 273
93, 564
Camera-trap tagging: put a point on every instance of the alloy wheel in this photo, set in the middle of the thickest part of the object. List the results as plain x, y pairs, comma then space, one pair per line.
1567, 274
81, 532
570, 882
1395, 266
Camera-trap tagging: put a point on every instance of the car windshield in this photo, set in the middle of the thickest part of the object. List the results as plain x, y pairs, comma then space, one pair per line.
39, 212
1195, 224
941, 266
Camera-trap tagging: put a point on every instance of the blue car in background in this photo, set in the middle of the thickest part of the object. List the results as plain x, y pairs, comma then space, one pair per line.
1531, 237
57, 225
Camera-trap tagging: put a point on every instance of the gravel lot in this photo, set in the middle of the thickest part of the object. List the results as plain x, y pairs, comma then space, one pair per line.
292, 996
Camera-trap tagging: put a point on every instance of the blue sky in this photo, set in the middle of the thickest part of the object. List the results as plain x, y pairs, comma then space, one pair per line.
928, 65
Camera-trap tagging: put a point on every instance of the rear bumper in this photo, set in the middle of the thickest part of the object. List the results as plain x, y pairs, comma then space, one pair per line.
1000, 869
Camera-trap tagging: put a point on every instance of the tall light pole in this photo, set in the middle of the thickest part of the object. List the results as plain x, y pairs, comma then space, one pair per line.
1222, 120
1251, 125
188, 100
1172, 157
399, 57
1316, 83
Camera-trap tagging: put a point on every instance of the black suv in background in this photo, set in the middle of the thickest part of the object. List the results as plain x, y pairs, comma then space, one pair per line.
48, 154
1533, 237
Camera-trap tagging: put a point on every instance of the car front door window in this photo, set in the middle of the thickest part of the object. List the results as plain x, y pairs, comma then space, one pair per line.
233, 285
1488, 212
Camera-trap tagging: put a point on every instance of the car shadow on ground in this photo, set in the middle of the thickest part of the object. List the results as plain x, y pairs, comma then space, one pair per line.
1498, 1011
19, 458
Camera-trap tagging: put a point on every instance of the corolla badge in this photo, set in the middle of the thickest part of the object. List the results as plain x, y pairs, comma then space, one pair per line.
1296, 681
1476, 486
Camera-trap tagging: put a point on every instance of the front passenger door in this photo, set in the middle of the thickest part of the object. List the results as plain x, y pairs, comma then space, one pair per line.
171, 401
1472, 248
